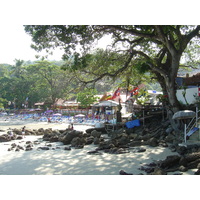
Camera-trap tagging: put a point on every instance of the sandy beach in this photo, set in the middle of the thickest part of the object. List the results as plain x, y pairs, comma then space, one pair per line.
58, 161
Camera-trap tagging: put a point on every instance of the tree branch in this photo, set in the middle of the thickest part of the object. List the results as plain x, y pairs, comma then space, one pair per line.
110, 74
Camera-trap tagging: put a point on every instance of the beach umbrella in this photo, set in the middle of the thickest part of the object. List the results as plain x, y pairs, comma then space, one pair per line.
57, 114
49, 111
184, 114
38, 109
80, 115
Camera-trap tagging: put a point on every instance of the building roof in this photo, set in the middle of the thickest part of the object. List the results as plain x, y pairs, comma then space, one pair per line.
193, 80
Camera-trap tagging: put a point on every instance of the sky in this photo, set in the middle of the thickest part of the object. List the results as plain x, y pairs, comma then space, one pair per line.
15, 44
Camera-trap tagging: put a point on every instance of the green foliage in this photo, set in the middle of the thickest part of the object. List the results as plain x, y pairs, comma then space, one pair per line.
142, 97
156, 48
87, 97
40, 81
2, 103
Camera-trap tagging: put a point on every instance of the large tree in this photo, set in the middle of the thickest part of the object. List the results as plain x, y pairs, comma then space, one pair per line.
51, 83
157, 47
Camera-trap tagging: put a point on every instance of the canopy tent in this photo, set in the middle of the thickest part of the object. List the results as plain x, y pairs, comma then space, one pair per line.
80, 115
108, 103
57, 114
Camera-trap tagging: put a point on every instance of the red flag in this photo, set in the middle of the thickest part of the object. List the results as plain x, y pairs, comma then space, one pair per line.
134, 91
116, 93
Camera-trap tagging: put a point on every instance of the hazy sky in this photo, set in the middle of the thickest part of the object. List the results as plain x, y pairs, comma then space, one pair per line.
15, 44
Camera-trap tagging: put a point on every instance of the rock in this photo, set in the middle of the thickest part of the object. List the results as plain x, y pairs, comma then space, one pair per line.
181, 150
67, 148
153, 142
198, 166
89, 140
141, 150
19, 137
133, 136
183, 162
159, 171
170, 161
170, 138
122, 172
178, 173
79, 146
146, 137
121, 150
104, 145
96, 141
123, 140
183, 168
28, 148
4, 138
169, 130
20, 147
41, 130
95, 152
96, 134
54, 138
17, 149
77, 141
162, 143
137, 143
172, 148
102, 130
17, 131
197, 172
116, 134
43, 148
69, 135
13, 145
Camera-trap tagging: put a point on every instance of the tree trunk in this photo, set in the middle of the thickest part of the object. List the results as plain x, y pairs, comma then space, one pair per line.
167, 82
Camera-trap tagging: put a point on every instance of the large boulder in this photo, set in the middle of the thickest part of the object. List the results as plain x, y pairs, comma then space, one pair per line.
67, 136
96, 133
159, 171
17, 131
54, 138
124, 139
4, 138
77, 141
89, 140
153, 142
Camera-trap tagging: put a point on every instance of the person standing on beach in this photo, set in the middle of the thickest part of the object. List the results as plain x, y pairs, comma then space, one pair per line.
23, 131
72, 126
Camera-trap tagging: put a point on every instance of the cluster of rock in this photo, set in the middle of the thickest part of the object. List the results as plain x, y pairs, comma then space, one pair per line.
16, 134
7, 137
27, 147
188, 158
155, 133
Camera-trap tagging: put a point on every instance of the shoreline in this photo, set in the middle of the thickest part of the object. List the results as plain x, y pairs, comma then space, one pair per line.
57, 161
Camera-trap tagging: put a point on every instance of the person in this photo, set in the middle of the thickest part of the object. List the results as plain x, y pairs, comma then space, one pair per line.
49, 120
72, 126
23, 131
10, 132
